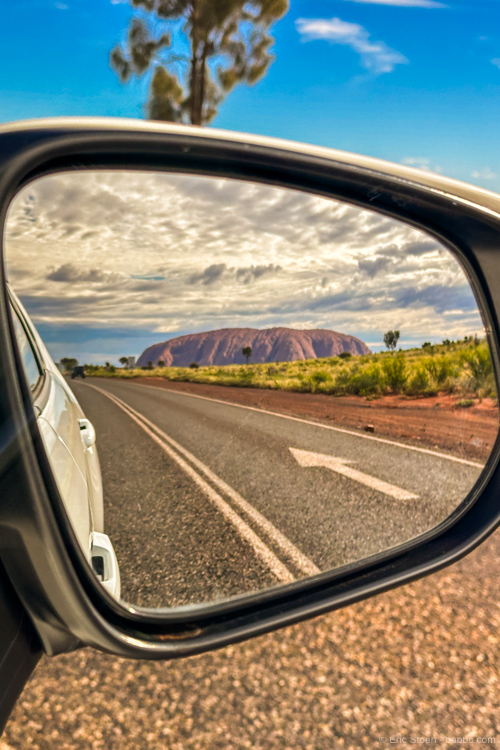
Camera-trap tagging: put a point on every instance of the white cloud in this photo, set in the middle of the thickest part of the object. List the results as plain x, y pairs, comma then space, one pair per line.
496, 61
484, 174
423, 163
376, 57
173, 254
404, 3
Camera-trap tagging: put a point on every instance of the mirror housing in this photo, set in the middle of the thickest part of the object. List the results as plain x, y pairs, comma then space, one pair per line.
37, 545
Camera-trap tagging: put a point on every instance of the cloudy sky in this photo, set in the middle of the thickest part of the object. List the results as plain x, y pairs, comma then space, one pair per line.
108, 263
411, 81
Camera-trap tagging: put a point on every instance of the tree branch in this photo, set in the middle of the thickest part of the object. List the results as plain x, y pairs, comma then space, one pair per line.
177, 58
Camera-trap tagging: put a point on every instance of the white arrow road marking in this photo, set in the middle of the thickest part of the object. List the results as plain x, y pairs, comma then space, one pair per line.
340, 465
280, 570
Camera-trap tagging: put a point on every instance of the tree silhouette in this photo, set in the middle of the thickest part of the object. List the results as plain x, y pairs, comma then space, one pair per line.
391, 339
68, 363
247, 352
123, 360
228, 43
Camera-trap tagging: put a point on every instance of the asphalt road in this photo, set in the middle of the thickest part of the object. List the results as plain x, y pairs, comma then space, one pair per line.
206, 500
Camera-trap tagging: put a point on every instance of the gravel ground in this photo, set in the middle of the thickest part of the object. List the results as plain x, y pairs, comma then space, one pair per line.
416, 662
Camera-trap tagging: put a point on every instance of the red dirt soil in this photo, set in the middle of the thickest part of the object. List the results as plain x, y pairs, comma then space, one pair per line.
436, 422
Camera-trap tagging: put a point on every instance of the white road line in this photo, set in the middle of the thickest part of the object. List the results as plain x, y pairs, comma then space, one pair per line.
302, 562
340, 466
323, 426
279, 570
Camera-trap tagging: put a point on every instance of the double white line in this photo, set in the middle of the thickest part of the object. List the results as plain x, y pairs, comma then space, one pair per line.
179, 454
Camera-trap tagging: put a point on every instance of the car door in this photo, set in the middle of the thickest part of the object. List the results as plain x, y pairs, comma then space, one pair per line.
58, 417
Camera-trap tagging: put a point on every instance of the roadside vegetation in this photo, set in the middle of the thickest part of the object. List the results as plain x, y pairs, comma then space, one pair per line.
462, 368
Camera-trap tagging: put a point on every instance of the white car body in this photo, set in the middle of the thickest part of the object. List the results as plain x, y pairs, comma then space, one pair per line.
69, 440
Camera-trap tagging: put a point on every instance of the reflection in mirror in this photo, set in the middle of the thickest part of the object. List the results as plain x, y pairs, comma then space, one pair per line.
276, 384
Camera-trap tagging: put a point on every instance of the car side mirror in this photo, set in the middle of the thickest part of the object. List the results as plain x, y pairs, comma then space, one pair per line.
310, 416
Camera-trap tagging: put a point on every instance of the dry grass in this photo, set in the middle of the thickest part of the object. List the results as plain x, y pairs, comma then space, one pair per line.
463, 368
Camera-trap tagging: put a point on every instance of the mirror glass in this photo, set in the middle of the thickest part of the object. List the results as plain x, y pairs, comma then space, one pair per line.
247, 385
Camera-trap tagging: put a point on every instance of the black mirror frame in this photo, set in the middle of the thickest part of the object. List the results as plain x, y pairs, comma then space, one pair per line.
37, 545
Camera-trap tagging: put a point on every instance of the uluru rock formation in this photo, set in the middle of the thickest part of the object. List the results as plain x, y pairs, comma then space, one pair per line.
223, 347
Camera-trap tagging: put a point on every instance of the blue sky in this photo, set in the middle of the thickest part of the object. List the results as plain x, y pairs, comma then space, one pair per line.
410, 81
383, 78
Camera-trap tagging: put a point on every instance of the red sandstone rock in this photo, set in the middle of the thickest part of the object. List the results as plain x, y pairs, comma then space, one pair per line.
223, 347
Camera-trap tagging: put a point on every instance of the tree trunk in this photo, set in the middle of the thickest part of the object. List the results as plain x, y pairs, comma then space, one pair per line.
196, 100
195, 109
203, 68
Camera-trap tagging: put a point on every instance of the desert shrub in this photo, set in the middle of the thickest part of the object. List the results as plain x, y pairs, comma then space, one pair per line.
246, 373
395, 372
342, 381
419, 381
440, 369
180, 373
358, 381
316, 379
465, 403
366, 382
478, 365
300, 385
321, 376
194, 365
345, 355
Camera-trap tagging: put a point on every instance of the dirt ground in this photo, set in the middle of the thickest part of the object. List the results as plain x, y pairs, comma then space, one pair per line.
436, 422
